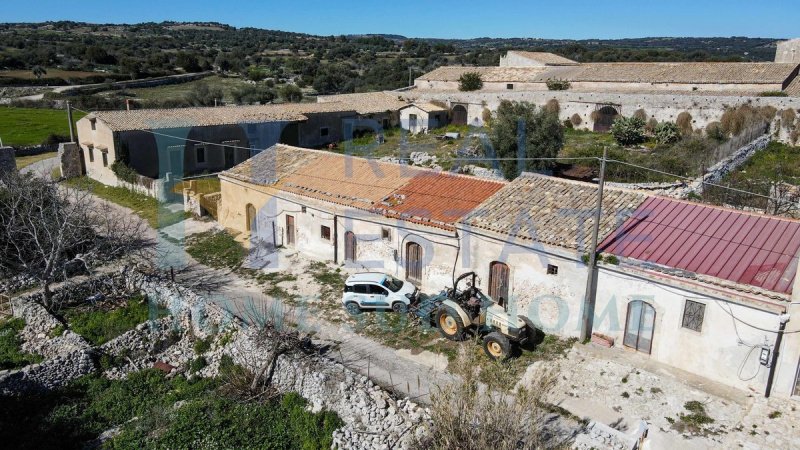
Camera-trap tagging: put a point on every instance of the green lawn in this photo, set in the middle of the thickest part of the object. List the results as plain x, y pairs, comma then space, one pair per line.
146, 207
31, 126
24, 161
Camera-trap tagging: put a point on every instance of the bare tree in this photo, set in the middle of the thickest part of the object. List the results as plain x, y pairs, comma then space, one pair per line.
51, 233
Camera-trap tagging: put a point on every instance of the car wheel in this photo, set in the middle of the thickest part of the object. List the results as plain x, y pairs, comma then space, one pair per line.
450, 325
353, 308
399, 307
497, 346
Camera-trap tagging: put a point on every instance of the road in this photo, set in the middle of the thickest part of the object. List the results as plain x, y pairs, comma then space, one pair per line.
412, 375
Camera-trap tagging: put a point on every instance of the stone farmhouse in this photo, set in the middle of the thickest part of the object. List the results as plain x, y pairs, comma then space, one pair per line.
701, 288
599, 92
162, 144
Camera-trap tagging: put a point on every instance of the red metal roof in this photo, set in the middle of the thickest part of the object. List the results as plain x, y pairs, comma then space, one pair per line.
438, 199
731, 245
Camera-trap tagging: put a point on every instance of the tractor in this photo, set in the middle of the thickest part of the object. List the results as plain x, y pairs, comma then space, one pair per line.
458, 312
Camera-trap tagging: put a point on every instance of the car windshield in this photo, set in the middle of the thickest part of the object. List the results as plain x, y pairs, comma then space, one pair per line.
392, 283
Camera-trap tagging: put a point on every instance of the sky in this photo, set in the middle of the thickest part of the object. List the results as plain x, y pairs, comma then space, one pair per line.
554, 19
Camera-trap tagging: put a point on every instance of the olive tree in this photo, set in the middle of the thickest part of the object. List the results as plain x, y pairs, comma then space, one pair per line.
522, 130
470, 81
51, 233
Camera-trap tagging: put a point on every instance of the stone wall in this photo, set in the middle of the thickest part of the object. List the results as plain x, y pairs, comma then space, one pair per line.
663, 107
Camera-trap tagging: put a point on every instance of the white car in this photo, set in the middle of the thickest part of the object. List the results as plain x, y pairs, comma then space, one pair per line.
377, 291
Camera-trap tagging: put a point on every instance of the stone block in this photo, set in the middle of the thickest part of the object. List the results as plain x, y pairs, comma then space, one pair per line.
69, 153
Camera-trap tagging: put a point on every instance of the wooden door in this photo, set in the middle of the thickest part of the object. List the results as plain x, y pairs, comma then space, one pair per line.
289, 230
639, 326
459, 115
413, 262
252, 225
498, 282
349, 246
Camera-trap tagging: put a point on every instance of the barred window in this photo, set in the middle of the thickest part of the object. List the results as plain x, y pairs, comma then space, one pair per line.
693, 314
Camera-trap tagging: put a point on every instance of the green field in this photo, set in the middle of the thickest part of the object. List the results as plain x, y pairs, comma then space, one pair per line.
31, 126
179, 91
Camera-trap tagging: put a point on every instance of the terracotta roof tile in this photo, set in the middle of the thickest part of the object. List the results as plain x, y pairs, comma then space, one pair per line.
552, 211
550, 59
438, 199
367, 102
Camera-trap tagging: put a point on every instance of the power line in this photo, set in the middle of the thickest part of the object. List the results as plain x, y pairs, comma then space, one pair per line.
582, 158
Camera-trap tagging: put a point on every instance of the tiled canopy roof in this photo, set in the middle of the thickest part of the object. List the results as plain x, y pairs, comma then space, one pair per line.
152, 119
395, 190
550, 59
537, 208
367, 102
744, 248
682, 72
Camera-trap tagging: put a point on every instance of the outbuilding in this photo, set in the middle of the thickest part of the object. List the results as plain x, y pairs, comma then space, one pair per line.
423, 117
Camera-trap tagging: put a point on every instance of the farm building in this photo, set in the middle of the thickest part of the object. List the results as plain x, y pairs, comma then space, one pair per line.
422, 117
165, 144
701, 288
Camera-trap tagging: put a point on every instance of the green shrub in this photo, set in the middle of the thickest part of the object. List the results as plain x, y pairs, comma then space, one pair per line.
714, 131
684, 123
11, 355
124, 173
667, 133
202, 345
628, 130
470, 81
197, 364
554, 84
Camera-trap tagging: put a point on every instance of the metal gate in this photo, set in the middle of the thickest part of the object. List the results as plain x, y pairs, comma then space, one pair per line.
604, 117
498, 282
414, 262
349, 246
289, 230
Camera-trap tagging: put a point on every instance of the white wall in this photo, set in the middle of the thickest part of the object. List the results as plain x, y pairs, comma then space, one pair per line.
555, 303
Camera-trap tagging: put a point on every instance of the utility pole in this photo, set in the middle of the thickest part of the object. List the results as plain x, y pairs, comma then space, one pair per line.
587, 318
69, 119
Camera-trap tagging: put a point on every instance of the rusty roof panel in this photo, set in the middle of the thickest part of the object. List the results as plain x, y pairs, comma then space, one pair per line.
736, 246
438, 199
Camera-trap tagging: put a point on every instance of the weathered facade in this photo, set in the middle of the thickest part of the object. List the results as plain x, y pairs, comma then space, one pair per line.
170, 144
534, 234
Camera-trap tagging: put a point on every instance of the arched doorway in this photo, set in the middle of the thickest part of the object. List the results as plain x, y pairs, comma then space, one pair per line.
459, 115
349, 246
498, 282
639, 326
250, 213
414, 262
604, 117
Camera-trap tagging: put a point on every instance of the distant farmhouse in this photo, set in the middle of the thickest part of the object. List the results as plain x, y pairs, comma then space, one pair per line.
599, 92
166, 143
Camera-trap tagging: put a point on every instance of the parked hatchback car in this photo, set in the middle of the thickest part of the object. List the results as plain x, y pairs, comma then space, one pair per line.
377, 291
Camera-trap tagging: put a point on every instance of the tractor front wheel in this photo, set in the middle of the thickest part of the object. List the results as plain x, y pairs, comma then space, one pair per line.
497, 346
450, 324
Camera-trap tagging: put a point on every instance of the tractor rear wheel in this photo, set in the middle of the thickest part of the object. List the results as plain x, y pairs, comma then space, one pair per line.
497, 346
450, 324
